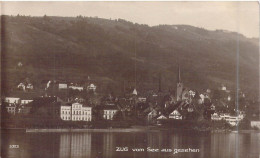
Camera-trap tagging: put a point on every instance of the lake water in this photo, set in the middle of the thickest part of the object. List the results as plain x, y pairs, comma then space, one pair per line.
104, 145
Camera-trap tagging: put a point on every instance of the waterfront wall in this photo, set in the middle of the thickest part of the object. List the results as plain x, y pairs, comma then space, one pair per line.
85, 130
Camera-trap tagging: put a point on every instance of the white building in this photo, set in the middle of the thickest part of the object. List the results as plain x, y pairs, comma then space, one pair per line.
109, 113
63, 85
12, 100
65, 112
25, 101
76, 112
11, 109
161, 117
142, 99
86, 114
175, 115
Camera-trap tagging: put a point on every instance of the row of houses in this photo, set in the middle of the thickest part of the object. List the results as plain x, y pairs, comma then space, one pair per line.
67, 111
74, 86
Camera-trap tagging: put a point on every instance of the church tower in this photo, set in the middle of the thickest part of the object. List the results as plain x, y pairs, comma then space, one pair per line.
179, 85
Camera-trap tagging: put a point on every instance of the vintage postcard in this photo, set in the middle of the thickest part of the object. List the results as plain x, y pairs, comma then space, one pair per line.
130, 79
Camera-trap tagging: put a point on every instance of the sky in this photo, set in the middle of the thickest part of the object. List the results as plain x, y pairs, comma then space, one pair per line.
241, 17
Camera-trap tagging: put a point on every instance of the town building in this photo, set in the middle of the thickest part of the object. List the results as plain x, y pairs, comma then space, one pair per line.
161, 117
109, 112
21, 86
62, 85
12, 100
216, 117
25, 101
152, 114
141, 99
175, 115
92, 87
255, 124
76, 112
11, 109
65, 112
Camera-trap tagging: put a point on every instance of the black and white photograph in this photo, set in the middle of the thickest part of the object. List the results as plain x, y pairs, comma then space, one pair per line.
130, 79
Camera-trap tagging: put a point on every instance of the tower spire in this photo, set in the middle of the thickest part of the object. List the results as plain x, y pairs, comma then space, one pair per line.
179, 89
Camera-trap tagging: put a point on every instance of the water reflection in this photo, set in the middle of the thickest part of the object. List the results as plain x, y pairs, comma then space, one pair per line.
75, 145
103, 145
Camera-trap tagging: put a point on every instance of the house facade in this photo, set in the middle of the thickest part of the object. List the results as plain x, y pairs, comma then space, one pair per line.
11, 109
76, 112
109, 113
63, 85
65, 112
175, 115
152, 115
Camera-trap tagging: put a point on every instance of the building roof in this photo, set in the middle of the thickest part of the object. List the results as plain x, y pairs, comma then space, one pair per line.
134, 92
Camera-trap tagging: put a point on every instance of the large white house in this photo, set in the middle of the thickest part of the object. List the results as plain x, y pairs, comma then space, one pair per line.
76, 112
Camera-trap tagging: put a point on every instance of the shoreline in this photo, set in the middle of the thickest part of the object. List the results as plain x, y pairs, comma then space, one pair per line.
85, 130
121, 130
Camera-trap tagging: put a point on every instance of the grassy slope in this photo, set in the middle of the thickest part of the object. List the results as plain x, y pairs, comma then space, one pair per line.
74, 48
